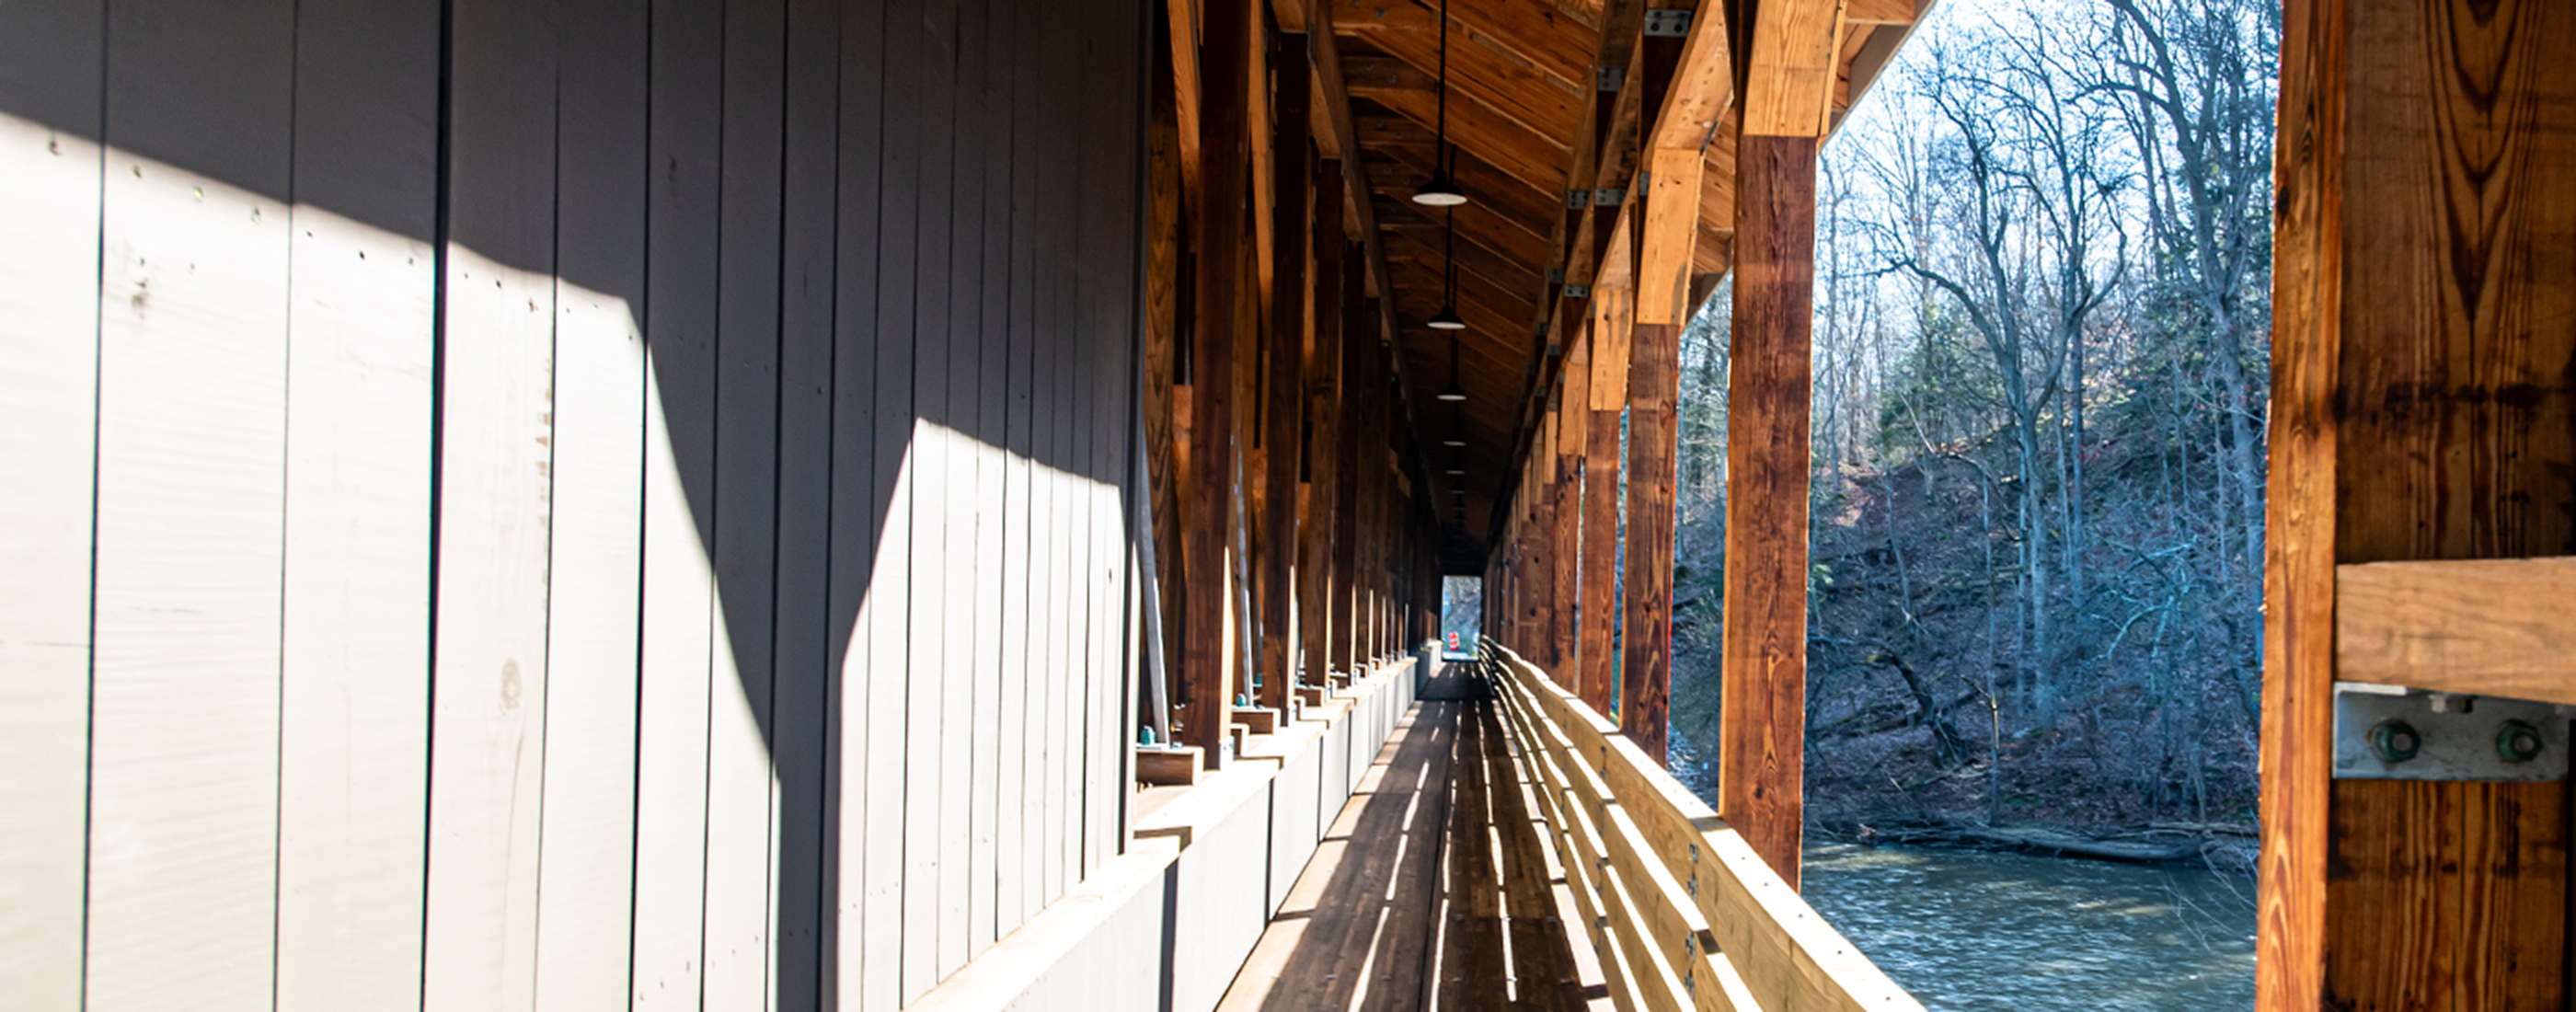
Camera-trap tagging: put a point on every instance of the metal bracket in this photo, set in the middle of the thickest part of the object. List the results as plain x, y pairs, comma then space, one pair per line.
1578, 291
2390, 732
1575, 199
1669, 24
1608, 196
1609, 78
1556, 275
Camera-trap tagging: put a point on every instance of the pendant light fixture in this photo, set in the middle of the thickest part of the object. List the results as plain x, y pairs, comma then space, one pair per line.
1447, 317
1440, 191
1457, 435
1451, 392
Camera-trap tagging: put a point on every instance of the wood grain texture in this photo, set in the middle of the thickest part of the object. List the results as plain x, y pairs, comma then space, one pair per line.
586, 869
353, 753
1790, 74
742, 786
799, 731
1332, 264
191, 360
1283, 398
1646, 633
857, 928
1357, 352
2453, 440
1669, 236
1573, 446
51, 174
2298, 658
1762, 740
495, 512
2488, 627
1222, 142
679, 611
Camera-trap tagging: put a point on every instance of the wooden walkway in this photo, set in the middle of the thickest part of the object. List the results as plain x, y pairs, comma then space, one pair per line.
1432, 889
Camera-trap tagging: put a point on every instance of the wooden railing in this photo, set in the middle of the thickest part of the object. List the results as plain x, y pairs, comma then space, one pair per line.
1682, 912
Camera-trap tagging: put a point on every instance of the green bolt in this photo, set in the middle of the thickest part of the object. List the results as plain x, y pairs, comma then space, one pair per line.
2517, 742
2395, 741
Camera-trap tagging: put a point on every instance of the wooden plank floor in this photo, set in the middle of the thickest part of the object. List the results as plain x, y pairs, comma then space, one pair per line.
1431, 890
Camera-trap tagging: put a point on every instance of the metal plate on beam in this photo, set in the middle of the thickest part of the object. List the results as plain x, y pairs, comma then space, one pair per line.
1672, 23
2389, 732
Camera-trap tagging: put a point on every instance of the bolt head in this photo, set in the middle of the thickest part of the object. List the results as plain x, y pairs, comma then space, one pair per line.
2395, 741
2517, 742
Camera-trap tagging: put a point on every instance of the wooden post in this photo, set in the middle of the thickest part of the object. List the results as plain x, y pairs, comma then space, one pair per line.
1762, 737
1574, 415
1284, 399
2422, 410
1763, 734
1223, 88
1324, 351
1654, 395
1601, 474
1349, 403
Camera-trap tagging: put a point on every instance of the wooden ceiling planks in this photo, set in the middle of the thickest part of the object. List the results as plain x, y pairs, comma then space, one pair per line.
1530, 124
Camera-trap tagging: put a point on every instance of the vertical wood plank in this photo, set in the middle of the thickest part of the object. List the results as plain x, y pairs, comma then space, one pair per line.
1225, 57
859, 925
50, 176
741, 780
678, 642
926, 936
1026, 603
961, 509
2454, 430
1049, 538
935, 816
353, 750
806, 505
1348, 408
1110, 230
190, 470
1323, 408
487, 747
889, 899
1608, 393
2298, 627
586, 870
989, 180
1281, 435
1762, 740
1574, 421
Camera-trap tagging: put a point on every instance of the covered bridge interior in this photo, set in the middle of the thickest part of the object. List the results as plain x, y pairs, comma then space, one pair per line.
941, 504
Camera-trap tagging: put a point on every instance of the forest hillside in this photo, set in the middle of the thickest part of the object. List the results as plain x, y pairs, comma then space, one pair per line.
2040, 380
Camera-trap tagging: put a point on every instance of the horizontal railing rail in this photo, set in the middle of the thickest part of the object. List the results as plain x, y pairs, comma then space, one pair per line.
1682, 912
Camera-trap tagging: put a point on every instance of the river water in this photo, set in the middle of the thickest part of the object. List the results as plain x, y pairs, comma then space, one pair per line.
1972, 931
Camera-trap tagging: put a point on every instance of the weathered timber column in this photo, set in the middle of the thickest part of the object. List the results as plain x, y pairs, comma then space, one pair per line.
1163, 241
1574, 417
1284, 399
1762, 747
1574, 413
1601, 472
2423, 409
1224, 87
1323, 381
1762, 737
1654, 400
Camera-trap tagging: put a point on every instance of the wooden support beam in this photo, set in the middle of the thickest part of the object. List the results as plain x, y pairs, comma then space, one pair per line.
1223, 140
1608, 394
1285, 397
1323, 422
2422, 414
1163, 193
1762, 737
2483, 627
